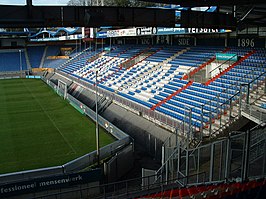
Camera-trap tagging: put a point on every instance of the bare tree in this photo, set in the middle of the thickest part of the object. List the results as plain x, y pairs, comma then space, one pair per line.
123, 3
77, 3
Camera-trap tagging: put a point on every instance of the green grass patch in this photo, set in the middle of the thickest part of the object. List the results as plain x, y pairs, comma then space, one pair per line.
39, 129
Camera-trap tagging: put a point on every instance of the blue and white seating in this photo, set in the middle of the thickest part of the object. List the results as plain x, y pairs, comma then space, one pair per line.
159, 75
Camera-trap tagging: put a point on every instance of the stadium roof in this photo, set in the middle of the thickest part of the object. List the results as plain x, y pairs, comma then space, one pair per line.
246, 12
194, 3
229, 15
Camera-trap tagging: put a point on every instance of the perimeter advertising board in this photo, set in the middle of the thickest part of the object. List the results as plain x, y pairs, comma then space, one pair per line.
101, 35
56, 182
121, 32
142, 31
146, 31
176, 31
61, 38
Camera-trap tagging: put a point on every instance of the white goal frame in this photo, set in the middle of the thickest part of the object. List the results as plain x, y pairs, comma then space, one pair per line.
60, 82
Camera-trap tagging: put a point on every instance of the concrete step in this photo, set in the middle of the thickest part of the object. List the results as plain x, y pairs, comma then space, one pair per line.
263, 99
259, 102
206, 132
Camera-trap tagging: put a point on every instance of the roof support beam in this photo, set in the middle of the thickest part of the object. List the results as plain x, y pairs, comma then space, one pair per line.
82, 16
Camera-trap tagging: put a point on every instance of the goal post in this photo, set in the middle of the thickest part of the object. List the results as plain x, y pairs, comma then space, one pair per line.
61, 85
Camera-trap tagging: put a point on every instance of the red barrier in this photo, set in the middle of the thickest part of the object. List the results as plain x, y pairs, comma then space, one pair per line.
172, 95
202, 65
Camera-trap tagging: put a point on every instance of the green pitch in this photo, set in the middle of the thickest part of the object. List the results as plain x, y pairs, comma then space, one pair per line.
39, 129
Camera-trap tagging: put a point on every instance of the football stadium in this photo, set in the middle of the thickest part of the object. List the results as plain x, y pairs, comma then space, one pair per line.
133, 99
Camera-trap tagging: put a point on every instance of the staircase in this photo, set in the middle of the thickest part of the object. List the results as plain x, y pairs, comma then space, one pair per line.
75, 90
27, 59
43, 57
94, 57
175, 56
70, 60
139, 57
180, 161
105, 103
178, 53
228, 117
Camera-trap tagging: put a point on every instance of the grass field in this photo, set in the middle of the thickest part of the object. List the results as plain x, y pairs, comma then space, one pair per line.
39, 129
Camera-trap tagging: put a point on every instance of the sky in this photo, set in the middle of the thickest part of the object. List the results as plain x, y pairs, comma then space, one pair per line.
34, 2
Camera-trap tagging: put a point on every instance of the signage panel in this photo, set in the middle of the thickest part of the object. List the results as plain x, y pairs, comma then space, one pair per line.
226, 56
170, 31
175, 31
146, 31
121, 32
142, 31
101, 35
62, 38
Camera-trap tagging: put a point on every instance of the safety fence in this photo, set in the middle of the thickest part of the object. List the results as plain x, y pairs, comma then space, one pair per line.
254, 113
122, 189
241, 155
236, 158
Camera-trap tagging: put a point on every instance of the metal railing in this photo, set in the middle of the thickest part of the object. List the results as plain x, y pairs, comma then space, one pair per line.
223, 108
220, 66
230, 157
123, 189
250, 111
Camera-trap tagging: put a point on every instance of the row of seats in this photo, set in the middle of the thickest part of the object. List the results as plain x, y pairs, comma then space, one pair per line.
157, 77
35, 54
13, 61
254, 189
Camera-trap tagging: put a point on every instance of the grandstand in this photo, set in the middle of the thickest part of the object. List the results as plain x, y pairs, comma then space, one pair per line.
13, 60
155, 81
186, 106
35, 55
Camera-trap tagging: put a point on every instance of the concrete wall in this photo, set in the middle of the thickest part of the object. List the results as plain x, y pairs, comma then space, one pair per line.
119, 164
8, 42
148, 137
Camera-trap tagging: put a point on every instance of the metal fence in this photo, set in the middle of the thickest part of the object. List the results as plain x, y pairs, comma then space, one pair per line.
253, 112
123, 189
241, 155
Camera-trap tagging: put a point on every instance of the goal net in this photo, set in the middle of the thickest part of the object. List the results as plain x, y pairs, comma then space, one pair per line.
62, 88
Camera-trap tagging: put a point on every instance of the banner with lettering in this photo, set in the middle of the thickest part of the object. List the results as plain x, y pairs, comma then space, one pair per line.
56, 182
